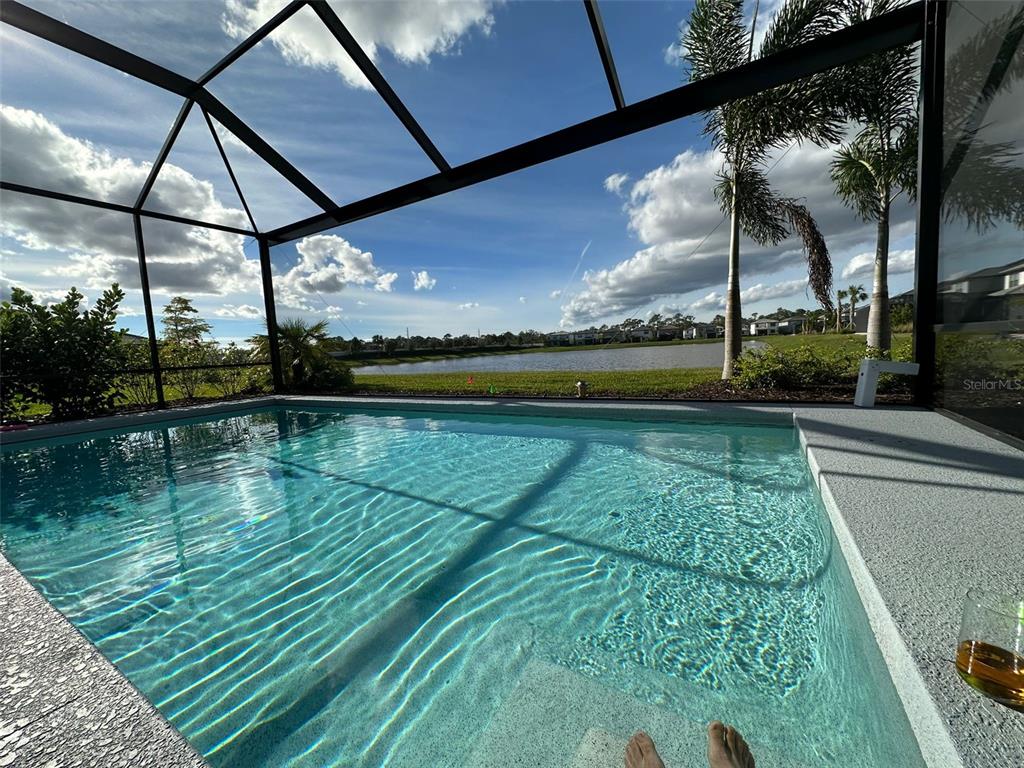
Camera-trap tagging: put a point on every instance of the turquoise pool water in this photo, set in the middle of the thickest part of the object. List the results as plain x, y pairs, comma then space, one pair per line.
320, 588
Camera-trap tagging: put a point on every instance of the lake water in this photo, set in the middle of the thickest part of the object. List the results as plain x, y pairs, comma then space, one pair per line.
609, 359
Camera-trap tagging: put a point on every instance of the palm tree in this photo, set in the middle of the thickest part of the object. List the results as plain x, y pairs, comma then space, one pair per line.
855, 293
840, 295
880, 163
299, 345
746, 130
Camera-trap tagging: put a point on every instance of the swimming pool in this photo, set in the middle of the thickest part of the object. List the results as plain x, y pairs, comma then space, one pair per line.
309, 587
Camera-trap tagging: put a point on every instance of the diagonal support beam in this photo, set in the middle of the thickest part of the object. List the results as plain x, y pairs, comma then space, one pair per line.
165, 150
594, 14
370, 71
255, 142
66, 36
252, 40
901, 27
231, 173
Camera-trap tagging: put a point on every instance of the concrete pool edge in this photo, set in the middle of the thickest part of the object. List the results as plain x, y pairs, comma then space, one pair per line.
933, 704
933, 739
62, 700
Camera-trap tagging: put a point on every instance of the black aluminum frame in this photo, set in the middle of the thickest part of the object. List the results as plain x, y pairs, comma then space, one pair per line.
920, 21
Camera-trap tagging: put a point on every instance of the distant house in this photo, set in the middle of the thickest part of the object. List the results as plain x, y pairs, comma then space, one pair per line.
791, 325
860, 317
701, 331
989, 295
643, 333
764, 327
558, 339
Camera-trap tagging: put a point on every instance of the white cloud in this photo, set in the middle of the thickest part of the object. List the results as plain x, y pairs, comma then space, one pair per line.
685, 239
243, 311
99, 246
761, 292
422, 281
411, 30
328, 264
713, 302
674, 51
615, 182
863, 264
554, 295
522, 299
469, 305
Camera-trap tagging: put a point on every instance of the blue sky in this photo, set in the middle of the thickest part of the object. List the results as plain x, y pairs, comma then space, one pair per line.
478, 76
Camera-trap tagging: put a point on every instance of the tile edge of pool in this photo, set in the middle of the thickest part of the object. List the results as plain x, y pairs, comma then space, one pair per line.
920, 704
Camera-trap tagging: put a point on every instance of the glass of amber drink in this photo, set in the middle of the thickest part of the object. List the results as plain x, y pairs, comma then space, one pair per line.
990, 653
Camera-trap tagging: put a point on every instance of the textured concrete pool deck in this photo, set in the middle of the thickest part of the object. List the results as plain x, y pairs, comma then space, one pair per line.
924, 507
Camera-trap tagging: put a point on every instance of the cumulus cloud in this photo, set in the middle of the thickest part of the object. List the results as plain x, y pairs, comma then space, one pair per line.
616, 182
241, 311
863, 264
469, 305
715, 301
422, 281
522, 299
685, 239
555, 295
99, 246
411, 30
328, 264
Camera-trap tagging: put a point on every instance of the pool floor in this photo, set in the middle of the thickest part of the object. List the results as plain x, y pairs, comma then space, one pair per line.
317, 588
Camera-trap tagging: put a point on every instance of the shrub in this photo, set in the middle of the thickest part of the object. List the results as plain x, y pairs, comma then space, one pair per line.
800, 368
231, 382
60, 355
137, 388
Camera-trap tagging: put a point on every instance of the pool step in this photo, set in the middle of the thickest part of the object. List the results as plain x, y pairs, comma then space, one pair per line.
558, 718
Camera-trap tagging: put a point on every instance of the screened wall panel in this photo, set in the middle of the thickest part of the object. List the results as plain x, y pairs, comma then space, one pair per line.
980, 303
208, 305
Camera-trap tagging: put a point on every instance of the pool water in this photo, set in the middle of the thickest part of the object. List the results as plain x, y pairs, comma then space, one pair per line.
318, 588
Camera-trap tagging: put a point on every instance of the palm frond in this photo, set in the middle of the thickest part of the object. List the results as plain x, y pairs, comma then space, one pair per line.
987, 186
800, 21
967, 83
882, 89
819, 263
715, 39
856, 172
756, 204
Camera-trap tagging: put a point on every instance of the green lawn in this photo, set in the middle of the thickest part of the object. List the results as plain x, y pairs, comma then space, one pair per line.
827, 342
660, 383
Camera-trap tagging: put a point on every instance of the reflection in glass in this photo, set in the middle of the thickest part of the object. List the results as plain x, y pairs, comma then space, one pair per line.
980, 308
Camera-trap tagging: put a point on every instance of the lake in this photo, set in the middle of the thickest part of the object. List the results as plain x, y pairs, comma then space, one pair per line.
608, 359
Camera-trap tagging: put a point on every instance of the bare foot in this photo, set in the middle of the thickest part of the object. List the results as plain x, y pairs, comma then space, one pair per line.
726, 748
640, 752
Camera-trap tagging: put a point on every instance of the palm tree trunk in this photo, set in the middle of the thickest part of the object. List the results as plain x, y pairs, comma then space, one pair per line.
879, 329
839, 313
733, 314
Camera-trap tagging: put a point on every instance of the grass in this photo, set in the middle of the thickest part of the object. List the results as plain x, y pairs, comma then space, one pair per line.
659, 383
829, 342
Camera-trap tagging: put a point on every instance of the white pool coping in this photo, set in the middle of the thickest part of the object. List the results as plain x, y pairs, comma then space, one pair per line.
889, 517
